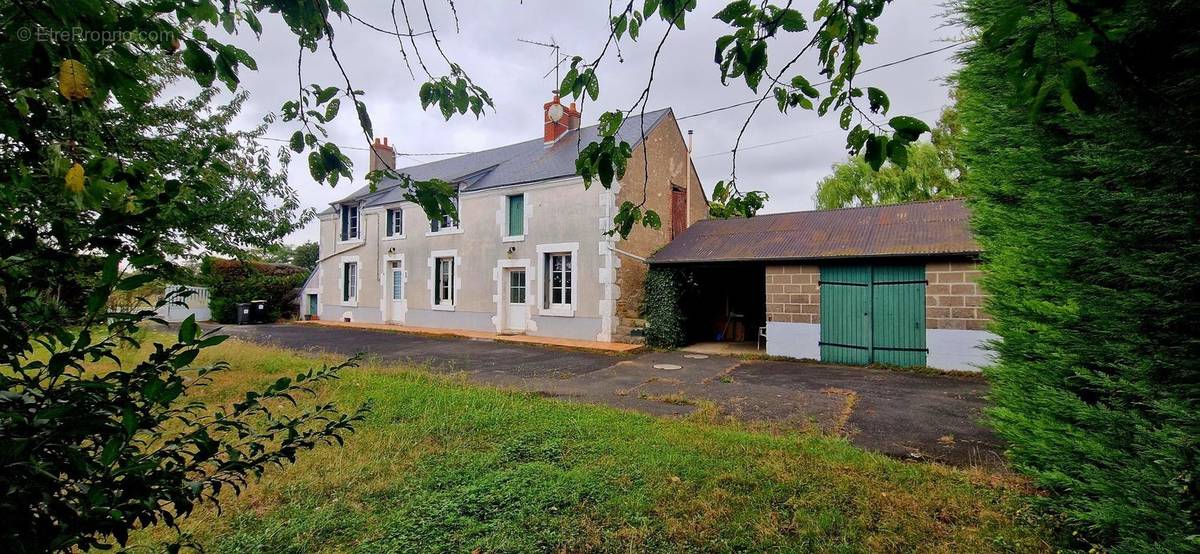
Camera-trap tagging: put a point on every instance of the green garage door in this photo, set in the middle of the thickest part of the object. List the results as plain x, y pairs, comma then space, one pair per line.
873, 314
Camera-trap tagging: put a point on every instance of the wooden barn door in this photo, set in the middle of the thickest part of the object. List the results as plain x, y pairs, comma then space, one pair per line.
678, 211
873, 314
898, 315
846, 314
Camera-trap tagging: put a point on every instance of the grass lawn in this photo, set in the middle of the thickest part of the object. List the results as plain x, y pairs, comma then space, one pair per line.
444, 466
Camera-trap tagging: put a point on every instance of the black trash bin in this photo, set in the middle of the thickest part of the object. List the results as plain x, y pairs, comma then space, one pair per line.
259, 310
243, 313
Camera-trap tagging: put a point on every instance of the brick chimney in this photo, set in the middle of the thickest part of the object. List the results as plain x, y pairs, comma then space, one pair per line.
559, 119
382, 155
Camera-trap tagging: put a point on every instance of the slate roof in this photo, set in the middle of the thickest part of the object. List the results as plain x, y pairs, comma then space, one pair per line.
524, 162
937, 227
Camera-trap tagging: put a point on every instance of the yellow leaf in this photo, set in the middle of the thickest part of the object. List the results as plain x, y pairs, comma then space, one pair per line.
73, 80
75, 179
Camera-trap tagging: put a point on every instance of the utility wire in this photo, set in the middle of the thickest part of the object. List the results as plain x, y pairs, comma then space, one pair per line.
707, 112
792, 139
868, 70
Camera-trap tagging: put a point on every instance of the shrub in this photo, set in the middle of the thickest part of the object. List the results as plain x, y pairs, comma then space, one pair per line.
1088, 221
663, 307
231, 282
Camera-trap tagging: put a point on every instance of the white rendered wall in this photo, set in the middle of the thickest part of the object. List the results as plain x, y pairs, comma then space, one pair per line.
794, 340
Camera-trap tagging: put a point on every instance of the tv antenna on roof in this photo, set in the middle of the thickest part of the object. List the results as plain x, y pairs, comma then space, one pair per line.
559, 57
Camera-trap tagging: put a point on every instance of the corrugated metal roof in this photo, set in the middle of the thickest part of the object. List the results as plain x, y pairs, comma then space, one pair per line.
916, 228
524, 162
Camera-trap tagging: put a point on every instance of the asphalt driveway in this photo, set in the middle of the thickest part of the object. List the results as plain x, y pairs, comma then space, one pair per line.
919, 417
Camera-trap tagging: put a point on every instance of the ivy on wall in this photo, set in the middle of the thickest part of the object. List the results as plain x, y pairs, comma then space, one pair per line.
662, 307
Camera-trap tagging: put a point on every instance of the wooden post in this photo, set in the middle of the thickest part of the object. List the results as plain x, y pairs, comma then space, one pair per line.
687, 190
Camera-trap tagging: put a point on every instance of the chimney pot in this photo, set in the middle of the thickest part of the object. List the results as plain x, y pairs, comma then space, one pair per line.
382, 155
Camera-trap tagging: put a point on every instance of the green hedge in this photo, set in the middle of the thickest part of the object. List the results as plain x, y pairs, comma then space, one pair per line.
231, 282
1090, 231
662, 307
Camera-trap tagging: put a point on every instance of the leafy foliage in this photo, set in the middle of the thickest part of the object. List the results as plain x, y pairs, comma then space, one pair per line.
100, 452
855, 183
726, 203
662, 307
306, 255
1087, 215
106, 187
233, 281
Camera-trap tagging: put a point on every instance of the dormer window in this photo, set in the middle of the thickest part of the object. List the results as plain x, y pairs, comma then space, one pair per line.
446, 223
350, 227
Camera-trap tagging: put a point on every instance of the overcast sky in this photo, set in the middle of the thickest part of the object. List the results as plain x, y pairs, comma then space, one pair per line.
784, 155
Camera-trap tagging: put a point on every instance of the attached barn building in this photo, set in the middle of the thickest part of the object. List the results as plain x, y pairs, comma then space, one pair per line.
894, 284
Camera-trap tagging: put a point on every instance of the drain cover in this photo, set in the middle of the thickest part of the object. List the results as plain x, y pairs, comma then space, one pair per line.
696, 356
667, 366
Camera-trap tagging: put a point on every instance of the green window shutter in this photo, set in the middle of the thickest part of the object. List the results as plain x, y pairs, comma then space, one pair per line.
516, 215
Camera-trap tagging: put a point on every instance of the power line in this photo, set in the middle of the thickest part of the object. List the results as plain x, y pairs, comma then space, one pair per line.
697, 114
868, 70
409, 154
792, 139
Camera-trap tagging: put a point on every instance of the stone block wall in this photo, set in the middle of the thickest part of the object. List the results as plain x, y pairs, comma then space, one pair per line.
793, 295
954, 298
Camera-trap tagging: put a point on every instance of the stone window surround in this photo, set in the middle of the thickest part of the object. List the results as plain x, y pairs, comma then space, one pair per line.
571, 248
457, 279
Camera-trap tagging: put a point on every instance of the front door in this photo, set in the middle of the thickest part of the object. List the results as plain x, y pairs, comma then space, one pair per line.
395, 290
312, 306
516, 309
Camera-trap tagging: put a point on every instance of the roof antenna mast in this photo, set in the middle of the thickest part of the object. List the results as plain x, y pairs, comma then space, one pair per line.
559, 58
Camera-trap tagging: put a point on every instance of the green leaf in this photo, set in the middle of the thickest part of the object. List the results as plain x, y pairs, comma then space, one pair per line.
734, 10
592, 85
326, 94
610, 123
898, 153
908, 127
874, 154
650, 7
845, 117
722, 44
879, 101
187, 329
297, 142
200, 63
792, 21
568, 82
331, 109
364, 119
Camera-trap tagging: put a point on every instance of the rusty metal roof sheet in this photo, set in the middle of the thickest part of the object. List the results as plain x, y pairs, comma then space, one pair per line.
936, 227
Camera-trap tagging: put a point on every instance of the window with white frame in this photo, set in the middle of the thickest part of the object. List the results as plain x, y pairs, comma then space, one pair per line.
397, 279
558, 282
515, 212
349, 222
394, 223
443, 281
447, 221
349, 281
516, 287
